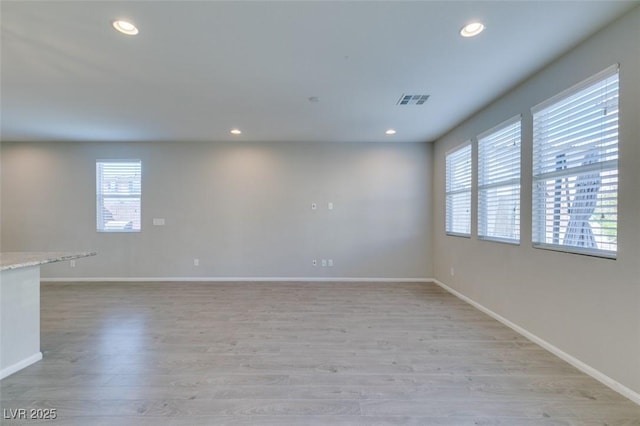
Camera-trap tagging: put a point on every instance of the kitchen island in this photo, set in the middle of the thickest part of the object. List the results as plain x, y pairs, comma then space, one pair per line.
20, 306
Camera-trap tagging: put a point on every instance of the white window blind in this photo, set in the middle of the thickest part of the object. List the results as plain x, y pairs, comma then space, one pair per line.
458, 191
499, 182
118, 189
575, 168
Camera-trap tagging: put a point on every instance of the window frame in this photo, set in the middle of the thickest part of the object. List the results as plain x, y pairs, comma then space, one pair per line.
101, 196
540, 217
489, 136
465, 189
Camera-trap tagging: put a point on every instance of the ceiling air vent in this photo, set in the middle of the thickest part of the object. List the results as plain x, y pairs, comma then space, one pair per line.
412, 99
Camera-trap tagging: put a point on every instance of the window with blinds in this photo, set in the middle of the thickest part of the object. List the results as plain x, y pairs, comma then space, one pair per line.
575, 168
499, 182
118, 190
458, 191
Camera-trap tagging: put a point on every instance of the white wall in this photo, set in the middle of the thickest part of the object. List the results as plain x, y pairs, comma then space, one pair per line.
588, 307
242, 209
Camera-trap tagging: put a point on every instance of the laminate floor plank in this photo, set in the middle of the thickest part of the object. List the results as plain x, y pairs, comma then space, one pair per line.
307, 420
249, 353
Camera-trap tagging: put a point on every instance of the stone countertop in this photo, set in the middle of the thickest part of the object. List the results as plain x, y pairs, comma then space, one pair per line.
15, 260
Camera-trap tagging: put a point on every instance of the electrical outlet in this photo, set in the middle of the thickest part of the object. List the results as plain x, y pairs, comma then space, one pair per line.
314, 262
452, 271
72, 263
330, 206
324, 262
330, 262
196, 262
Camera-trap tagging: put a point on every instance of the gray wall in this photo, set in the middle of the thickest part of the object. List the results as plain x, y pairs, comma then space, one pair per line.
242, 209
588, 307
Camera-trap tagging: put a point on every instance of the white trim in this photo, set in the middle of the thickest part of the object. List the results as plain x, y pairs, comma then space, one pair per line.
505, 123
604, 74
235, 279
459, 146
585, 368
603, 254
5, 372
513, 242
457, 234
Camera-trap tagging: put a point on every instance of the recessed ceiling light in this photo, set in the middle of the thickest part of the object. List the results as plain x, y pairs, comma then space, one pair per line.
125, 27
472, 29
236, 131
390, 132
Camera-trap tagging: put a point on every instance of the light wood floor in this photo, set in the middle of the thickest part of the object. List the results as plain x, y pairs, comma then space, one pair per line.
294, 353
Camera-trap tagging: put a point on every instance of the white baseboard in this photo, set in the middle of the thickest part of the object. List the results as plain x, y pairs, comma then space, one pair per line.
585, 368
7, 371
236, 279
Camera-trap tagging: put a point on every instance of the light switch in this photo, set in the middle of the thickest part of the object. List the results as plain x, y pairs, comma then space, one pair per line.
330, 206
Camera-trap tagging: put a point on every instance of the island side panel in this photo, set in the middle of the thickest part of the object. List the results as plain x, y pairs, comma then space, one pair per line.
19, 319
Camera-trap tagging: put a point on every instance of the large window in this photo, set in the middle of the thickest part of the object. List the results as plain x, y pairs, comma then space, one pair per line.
499, 182
575, 168
458, 191
118, 189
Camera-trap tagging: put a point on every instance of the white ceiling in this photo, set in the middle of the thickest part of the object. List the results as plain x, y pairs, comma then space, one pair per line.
199, 68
